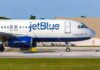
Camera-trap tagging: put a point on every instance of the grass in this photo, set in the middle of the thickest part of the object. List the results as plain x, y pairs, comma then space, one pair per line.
49, 64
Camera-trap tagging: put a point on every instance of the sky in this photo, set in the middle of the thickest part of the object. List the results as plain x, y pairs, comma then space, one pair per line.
22, 9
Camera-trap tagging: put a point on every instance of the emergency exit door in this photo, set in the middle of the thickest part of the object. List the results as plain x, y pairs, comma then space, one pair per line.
13, 28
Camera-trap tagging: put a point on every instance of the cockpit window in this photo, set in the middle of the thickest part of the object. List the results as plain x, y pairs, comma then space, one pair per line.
82, 26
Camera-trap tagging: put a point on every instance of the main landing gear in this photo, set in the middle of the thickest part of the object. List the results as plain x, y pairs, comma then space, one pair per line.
2, 48
29, 48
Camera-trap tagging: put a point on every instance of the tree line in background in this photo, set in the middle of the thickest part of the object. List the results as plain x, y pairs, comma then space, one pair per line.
32, 17
1, 17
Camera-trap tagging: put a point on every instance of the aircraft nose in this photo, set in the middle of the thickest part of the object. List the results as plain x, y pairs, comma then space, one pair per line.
92, 32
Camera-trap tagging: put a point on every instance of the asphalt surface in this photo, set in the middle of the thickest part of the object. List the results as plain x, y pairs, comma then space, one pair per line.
50, 55
73, 49
55, 52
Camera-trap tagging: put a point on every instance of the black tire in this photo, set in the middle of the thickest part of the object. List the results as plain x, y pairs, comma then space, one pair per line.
2, 48
67, 49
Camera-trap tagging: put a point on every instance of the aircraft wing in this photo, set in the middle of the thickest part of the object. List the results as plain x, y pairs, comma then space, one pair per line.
2, 34
5, 36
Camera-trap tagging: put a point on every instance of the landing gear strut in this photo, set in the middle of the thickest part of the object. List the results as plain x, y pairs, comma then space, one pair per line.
67, 48
2, 48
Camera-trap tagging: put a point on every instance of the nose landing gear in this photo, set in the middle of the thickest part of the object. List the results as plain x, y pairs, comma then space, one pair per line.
68, 45
67, 49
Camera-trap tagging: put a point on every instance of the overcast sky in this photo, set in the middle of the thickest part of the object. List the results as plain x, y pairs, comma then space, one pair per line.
22, 9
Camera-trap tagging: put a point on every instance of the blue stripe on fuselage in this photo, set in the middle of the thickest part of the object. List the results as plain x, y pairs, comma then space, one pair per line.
60, 39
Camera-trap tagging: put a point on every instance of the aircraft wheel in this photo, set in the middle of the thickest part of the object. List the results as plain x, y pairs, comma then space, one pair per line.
67, 49
1, 48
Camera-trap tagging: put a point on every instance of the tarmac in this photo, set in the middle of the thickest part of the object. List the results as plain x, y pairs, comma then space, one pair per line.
50, 55
55, 52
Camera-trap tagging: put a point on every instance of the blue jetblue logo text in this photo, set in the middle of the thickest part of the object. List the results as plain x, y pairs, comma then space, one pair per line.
43, 26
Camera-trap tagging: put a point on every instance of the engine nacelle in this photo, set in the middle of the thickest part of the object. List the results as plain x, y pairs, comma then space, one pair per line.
19, 42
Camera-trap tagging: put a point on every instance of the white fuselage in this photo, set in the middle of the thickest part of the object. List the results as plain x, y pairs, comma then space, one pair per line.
46, 29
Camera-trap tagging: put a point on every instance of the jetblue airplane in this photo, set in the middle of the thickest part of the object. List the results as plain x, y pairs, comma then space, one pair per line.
25, 34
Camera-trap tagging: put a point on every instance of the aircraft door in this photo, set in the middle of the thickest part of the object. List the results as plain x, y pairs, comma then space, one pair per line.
15, 28
11, 27
67, 27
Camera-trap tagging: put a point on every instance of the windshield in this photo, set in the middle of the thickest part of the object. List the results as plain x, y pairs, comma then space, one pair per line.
82, 26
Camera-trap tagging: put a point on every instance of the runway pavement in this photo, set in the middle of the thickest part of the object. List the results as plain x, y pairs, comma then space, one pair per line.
50, 55
73, 49
55, 52
57, 49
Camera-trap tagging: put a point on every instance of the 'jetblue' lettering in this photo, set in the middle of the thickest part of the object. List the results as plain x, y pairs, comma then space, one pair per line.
43, 26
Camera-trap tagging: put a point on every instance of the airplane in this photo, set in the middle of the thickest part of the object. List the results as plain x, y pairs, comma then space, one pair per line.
25, 34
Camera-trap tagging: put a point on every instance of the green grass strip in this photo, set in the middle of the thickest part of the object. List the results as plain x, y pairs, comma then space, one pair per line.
49, 64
